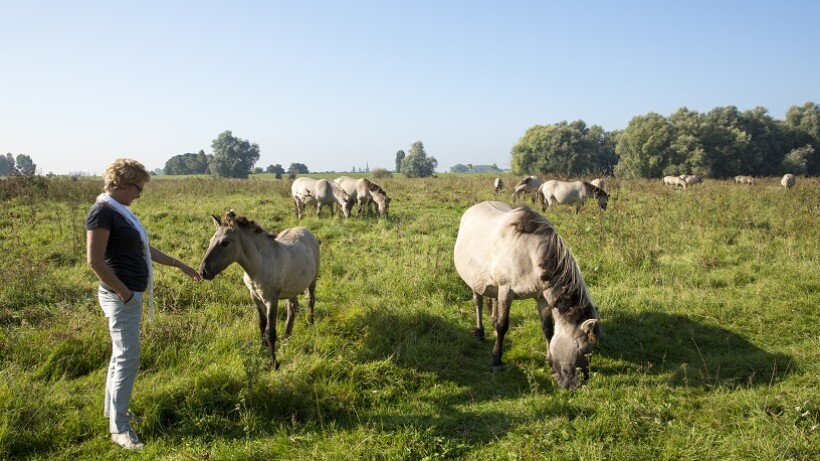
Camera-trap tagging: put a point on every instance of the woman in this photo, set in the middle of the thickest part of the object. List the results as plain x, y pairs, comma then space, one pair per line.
119, 253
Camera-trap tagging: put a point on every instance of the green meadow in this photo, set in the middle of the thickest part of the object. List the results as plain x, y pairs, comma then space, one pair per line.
710, 301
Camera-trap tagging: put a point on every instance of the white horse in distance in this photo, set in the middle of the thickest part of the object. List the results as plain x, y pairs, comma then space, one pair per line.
676, 181
528, 185
498, 184
691, 178
788, 181
321, 192
744, 180
364, 192
599, 182
554, 191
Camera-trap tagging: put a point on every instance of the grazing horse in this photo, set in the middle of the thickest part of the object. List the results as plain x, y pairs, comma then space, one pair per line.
788, 181
306, 191
528, 185
744, 180
676, 181
276, 267
498, 184
364, 192
378, 196
503, 254
598, 182
691, 178
554, 191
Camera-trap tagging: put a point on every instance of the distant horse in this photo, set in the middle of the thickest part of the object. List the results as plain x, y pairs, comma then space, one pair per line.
321, 192
676, 181
498, 184
280, 267
744, 180
788, 181
504, 254
554, 191
528, 185
691, 178
598, 182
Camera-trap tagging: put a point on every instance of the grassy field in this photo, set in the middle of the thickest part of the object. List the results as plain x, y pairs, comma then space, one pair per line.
709, 299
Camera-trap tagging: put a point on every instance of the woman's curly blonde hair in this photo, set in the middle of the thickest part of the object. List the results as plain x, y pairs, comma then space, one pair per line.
124, 172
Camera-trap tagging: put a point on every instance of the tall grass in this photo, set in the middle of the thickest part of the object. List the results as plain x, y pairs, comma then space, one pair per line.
709, 301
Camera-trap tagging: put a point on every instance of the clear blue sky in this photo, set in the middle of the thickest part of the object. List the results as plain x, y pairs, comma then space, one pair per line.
338, 84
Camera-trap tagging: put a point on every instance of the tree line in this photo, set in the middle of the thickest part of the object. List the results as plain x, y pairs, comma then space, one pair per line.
722, 143
22, 165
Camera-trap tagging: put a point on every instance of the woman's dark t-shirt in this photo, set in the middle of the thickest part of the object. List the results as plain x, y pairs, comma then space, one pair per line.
124, 252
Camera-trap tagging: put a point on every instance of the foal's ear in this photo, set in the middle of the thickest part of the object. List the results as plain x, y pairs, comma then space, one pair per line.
217, 222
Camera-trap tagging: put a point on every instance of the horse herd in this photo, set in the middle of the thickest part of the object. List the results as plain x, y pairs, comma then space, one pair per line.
788, 181
502, 253
342, 191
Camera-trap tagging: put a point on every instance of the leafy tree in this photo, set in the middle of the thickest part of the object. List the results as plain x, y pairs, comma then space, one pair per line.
417, 164
796, 161
399, 158
803, 125
380, 173
643, 146
5, 167
258, 170
9, 168
459, 168
188, 163
569, 149
298, 168
233, 157
764, 152
276, 169
25, 165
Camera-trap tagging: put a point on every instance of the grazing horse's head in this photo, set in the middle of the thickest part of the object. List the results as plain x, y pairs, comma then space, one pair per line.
568, 350
600, 194
226, 244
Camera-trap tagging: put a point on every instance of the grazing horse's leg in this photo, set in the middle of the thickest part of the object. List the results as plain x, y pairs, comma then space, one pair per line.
502, 323
263, 319
272, 305
293, 306
310, 296
479, 324
547, 322
298, 210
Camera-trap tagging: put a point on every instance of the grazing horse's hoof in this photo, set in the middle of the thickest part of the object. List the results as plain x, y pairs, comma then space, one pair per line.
479, 334
497, 368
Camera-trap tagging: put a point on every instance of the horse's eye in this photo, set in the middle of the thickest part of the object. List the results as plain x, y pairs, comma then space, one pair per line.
224, 243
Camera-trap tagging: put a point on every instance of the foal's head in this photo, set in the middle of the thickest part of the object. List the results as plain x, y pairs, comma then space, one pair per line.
226, 243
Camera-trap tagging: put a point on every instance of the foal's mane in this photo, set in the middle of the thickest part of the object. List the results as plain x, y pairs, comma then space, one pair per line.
558, 266
234, 221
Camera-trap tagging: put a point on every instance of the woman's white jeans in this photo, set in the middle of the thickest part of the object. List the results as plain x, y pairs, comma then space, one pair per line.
124, 327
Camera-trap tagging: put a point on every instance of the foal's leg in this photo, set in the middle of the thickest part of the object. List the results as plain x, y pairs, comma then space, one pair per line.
293, 306
478, 301
502, 323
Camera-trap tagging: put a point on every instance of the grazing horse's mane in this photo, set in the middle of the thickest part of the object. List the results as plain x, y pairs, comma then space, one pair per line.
594, 190
375, 188
558, 265
232, 220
